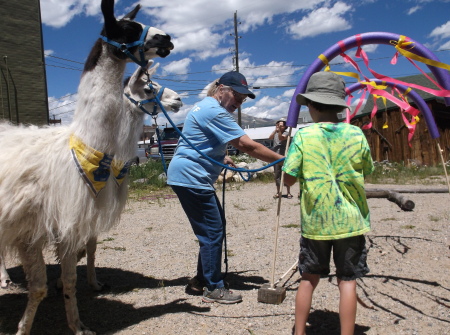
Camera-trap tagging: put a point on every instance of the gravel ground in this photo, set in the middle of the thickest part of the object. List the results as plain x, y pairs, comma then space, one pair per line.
149, 257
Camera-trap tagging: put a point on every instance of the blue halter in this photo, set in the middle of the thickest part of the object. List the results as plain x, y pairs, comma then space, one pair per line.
124, 47
155, 100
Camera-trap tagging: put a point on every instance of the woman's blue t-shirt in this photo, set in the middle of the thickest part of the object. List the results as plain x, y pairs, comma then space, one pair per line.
209, 127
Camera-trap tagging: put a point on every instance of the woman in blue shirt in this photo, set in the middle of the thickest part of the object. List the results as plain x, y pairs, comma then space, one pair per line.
209, 126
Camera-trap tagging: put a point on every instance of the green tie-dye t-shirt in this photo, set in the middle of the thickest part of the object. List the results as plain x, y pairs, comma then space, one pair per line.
330, 161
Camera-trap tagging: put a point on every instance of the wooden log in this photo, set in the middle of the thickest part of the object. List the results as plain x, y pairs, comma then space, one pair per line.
404, 203
406, 190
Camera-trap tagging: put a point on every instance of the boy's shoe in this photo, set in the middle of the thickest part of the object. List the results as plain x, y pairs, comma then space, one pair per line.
221, 295
195, 286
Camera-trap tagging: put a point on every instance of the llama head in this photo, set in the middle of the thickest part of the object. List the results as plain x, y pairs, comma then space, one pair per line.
127, 38
138, 89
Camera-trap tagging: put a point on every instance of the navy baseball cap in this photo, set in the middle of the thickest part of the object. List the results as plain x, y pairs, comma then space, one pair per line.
237, 82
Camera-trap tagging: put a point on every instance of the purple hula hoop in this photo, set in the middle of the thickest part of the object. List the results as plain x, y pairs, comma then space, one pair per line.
421, 104
442, 76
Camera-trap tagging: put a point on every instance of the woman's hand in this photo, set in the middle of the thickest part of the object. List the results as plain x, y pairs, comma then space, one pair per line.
228, 161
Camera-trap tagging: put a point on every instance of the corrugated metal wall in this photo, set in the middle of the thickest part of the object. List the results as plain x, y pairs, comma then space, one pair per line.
23, 90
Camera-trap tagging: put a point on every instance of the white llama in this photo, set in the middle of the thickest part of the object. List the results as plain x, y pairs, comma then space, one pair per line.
136, 88
44, 200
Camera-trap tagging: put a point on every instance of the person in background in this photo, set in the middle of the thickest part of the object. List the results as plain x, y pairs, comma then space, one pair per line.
209, 127
330, 160
279, 137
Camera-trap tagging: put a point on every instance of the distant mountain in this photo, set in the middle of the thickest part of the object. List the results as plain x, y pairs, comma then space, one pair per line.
248, 121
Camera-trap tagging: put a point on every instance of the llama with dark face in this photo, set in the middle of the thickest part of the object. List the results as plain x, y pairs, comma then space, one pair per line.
60, 196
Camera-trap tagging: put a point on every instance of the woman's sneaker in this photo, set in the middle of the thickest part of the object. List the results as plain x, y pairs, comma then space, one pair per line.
195, 286
221, 295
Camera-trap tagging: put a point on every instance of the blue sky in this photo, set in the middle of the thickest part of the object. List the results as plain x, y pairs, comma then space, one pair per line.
278, 41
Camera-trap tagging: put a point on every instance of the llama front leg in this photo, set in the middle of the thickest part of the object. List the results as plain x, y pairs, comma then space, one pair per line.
91, 248
69, 279
35, 271
4, 276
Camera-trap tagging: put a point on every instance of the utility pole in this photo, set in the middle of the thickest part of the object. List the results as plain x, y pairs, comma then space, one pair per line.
236, 57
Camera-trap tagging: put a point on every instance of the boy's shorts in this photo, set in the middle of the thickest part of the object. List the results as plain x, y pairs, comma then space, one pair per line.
349, 255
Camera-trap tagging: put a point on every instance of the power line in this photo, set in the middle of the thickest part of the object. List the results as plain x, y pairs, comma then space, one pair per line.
187, 81
64, 67
67, 104
67, 60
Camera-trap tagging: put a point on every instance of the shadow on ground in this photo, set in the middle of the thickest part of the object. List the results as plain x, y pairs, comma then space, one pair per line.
327, 322
100, 312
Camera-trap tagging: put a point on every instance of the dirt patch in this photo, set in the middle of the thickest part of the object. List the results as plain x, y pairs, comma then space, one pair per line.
148, 258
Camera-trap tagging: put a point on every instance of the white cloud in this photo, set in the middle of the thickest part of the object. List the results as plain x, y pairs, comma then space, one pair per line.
320, 21
48, 52
177, 117
62, 108
57, 13
414, 9
200, 27
177, 18
271, 74
198, 41
269, 109
179, 67
368, 48
444, 46
288, 93
442, 31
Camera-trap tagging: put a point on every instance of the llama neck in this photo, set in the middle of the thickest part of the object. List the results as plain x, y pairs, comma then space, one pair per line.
131, 126
100, 106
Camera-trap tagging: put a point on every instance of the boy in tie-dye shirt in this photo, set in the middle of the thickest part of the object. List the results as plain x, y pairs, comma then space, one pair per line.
330, 160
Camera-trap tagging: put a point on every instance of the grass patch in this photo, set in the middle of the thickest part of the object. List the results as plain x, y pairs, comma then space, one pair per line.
398, 173
265, 178
408, 226
261, 208
115, 248
292, 225
230, 253
238, 206
388, 219
434, 218
144, 179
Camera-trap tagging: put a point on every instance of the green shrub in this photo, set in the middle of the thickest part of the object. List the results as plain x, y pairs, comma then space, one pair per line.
398, 173
148, 173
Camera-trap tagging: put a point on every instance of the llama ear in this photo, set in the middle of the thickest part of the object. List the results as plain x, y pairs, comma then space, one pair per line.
131, 15
108, 15
152, 70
